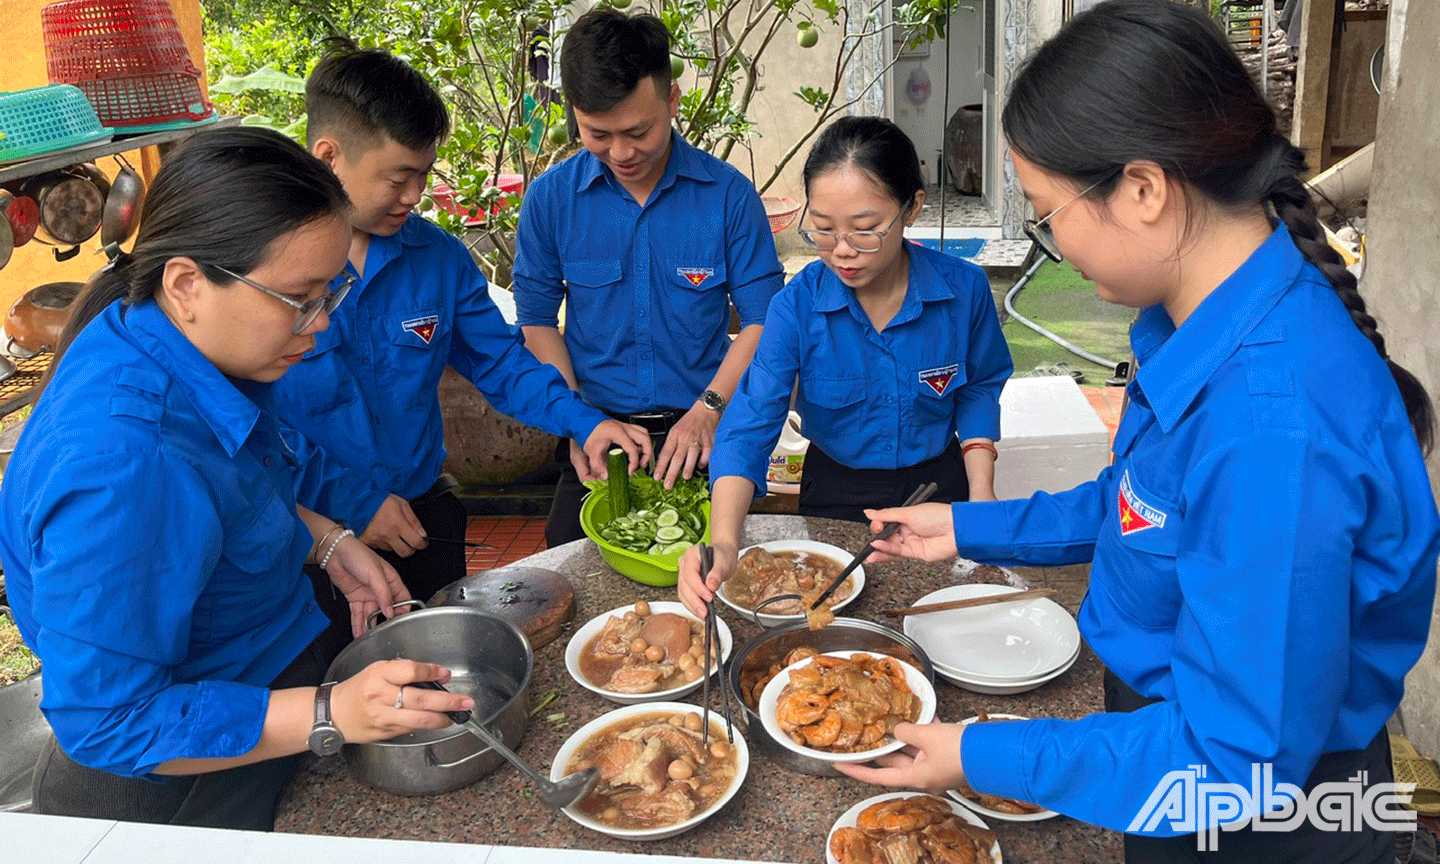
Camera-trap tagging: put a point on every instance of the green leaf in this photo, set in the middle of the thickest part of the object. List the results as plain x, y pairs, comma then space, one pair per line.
264, 78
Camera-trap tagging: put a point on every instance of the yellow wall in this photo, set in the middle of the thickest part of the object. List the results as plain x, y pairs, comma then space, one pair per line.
24, 66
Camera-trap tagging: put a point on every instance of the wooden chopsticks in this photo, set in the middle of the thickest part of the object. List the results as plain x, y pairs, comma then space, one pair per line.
969, 602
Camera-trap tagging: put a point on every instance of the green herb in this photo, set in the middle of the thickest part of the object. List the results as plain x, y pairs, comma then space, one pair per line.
528, 793
545, 702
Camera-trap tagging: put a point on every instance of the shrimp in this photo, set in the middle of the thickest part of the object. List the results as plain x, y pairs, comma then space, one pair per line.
851, 846
900, 815
800, 708
872, 734
947, 844
824, 733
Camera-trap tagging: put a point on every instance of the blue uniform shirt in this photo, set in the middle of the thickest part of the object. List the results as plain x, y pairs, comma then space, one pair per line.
1264, 553
871, 400
152, 550
366, 394
645, 287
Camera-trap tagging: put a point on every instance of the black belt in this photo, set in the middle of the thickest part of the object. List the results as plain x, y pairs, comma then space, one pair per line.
655, 422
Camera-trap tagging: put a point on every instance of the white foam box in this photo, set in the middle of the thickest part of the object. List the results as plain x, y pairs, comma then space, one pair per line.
1051, 439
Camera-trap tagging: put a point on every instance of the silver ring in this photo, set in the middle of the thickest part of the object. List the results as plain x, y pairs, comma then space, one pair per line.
695, 444
400, 698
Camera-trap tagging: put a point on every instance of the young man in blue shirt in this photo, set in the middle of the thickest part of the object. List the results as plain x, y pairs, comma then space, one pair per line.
648, 241
366, 395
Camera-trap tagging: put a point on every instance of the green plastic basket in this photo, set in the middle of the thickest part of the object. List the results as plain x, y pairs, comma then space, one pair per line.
660, 571
45, 119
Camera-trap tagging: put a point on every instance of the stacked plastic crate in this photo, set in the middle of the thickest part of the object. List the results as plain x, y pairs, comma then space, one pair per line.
130, 59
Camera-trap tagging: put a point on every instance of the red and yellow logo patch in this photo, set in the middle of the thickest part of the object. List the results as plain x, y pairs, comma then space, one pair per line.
695, 275
939, 379
1135, 514
422, 327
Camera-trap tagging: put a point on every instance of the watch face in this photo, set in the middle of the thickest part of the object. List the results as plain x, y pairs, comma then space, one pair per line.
712, 400
326, 742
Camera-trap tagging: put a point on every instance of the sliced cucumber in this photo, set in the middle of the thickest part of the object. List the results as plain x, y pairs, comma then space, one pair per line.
667, 518
669, 533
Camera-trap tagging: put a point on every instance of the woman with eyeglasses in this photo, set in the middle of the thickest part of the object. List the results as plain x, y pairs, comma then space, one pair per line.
148, 529
1263, 548
896, 350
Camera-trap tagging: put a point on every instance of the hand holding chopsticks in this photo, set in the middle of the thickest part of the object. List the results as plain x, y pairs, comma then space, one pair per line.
712, 638
919, 496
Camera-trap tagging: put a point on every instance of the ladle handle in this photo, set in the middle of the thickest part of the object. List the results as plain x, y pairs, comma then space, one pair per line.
457, 717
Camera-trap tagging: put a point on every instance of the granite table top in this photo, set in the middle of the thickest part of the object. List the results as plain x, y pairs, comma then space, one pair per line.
778, 815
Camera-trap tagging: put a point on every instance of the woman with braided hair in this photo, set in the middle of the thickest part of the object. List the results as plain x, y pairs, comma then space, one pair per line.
1264, 546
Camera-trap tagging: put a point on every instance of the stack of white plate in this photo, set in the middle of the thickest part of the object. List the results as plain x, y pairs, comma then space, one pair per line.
1000, 649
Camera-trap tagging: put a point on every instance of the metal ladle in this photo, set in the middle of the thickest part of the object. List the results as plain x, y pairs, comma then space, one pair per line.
557, 795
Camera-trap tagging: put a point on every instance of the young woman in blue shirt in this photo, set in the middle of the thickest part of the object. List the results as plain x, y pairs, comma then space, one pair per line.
896, 350
151, 542
1264, 546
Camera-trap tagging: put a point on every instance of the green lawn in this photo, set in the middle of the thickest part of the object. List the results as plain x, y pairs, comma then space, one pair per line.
1057, 299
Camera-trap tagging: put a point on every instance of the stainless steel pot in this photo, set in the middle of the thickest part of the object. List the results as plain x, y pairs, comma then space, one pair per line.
843, 634
490, 662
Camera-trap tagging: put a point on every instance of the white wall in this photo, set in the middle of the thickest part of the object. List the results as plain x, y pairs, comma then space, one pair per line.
925, 123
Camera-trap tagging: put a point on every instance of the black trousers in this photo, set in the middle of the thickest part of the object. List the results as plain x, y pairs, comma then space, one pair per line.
835, 491
243, 798
425, 572
1304, 845
563, 524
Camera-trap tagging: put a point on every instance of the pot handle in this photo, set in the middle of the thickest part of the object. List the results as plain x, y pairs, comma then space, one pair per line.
431, 761
755, 613
374, 620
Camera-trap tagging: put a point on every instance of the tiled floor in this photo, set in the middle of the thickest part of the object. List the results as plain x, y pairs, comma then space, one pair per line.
1107, 403
513, 538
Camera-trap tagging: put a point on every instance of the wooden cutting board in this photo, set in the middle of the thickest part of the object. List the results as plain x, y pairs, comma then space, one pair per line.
539, 602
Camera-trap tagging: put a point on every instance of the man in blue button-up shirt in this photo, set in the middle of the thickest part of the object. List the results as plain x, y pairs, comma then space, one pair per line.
367, 394
644, 237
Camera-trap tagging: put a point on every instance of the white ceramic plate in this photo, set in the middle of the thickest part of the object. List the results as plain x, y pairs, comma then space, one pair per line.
584, 733
592, 627
919, 685
1007, 643
847, 820
811, 547
996, 814
974, 686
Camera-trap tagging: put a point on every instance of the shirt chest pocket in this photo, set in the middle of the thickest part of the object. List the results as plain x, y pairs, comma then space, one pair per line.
1147, 541
696, 298
259, 539
590, 275
934, 386
833, 395
325, 363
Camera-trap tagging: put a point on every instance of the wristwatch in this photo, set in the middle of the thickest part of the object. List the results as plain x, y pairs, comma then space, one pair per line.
712, 400
325, 738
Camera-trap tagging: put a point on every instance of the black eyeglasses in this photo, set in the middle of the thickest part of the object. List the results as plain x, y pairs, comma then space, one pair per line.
1041, 234
860, 241
310, 309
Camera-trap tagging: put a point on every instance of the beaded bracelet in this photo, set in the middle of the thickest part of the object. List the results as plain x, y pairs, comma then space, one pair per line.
320, 544
980, 445
331, 551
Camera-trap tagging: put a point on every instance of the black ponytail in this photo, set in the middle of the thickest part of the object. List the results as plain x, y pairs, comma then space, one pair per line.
1294, 206
221, 198
1139, 80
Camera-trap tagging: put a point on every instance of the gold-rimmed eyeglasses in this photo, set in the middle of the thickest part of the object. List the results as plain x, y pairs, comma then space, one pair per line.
860, 241
308, 310
1043, 236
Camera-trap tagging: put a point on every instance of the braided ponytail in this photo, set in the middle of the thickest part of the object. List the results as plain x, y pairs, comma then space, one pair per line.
1294, 206
1136, 80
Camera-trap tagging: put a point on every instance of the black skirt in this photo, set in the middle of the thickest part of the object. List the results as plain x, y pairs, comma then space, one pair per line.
837, 491
1303, 845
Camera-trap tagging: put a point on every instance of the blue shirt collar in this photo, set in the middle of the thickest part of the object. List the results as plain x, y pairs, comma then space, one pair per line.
1176, 363
684, 160
217, 399
925, 285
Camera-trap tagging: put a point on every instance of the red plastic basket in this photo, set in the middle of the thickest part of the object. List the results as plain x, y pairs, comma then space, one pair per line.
91, 39
146, 100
